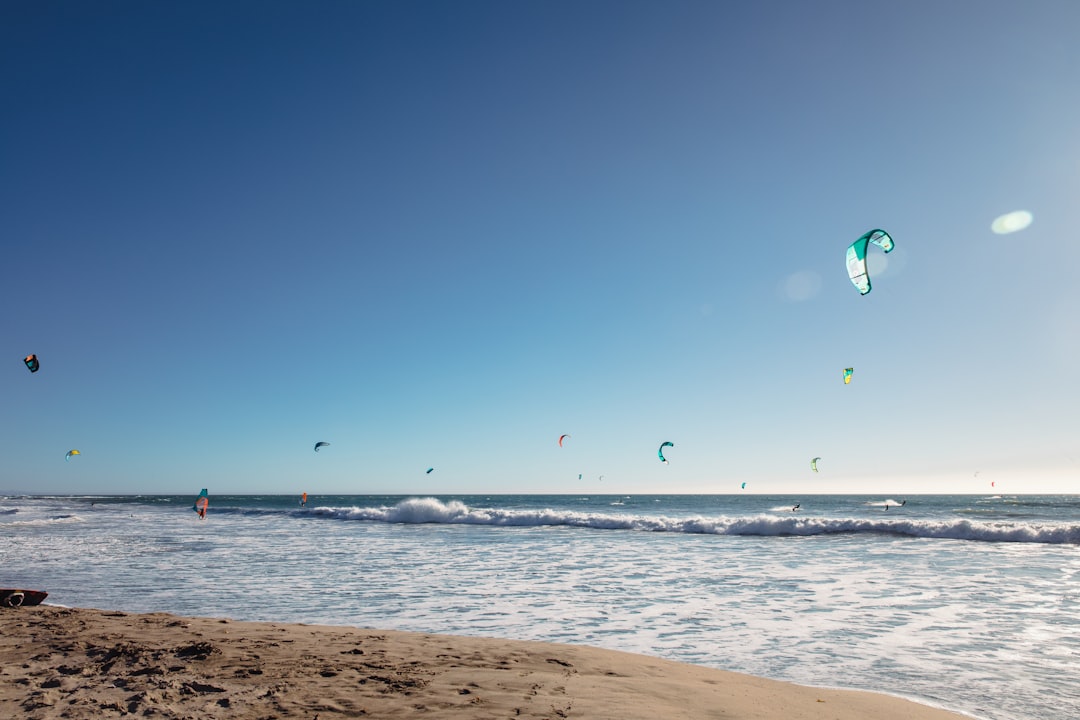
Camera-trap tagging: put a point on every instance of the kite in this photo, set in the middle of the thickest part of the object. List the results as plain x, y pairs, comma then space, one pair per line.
660, 452
847, 375
856, 257
67, 458
744, 486
429, 471
32, 363
201, 504
813, 464
561, 438
319, 445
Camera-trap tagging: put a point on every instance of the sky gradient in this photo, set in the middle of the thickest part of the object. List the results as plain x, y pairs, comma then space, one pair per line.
443, 234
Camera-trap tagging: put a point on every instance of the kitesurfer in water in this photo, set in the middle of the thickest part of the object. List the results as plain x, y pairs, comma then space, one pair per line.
797, 506
201, 503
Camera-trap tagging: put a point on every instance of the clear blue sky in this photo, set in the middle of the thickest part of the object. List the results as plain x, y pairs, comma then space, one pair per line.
445, 233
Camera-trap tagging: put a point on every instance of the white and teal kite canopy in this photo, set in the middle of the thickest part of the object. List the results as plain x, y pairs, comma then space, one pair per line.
856, 257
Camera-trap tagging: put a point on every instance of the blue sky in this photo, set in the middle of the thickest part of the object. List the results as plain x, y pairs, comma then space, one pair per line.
445, 233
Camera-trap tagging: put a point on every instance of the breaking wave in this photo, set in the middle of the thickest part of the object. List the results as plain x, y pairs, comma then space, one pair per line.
431, 510
48, 521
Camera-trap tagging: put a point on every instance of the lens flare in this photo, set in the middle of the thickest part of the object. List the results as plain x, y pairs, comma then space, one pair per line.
1011, 222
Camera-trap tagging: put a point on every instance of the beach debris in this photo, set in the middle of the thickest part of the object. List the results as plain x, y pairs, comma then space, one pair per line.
660, 452
856, 257
14, 597
32, 363
67, 457
320, 444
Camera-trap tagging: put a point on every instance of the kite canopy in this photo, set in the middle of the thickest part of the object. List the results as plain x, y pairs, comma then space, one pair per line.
32, 363
429, 471
856, 257
847, 375
319, 445
67, 458
813, 464
660, 452
561, 438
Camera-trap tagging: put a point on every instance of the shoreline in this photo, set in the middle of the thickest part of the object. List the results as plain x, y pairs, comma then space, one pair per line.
87, 663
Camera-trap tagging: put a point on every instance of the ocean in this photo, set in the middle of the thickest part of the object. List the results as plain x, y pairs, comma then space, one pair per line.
971, 603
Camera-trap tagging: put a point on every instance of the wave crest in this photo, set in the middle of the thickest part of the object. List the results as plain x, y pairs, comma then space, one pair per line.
432, 510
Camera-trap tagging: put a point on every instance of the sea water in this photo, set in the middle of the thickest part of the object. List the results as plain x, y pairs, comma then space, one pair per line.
969, 603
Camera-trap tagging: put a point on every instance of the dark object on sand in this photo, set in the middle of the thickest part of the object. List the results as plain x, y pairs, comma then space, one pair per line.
18, 598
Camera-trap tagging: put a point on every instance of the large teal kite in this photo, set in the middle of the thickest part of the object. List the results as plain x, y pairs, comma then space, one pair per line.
856, 257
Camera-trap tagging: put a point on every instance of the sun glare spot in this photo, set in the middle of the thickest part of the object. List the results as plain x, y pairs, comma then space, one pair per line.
802, 285
877, 264
1011, 222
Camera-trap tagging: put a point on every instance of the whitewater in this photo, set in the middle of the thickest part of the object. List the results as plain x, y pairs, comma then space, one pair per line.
970, 603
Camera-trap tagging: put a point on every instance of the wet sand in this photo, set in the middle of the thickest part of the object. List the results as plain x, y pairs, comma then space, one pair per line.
79, 663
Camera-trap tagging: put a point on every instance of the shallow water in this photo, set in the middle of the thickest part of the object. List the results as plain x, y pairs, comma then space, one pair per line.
965, 602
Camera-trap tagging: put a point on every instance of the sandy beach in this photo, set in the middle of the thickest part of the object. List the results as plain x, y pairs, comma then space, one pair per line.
80, 663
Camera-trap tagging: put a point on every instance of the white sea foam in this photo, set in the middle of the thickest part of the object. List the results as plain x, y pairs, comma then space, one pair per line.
56, 519
432, 510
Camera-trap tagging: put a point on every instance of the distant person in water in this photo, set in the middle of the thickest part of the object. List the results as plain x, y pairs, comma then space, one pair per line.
797, 506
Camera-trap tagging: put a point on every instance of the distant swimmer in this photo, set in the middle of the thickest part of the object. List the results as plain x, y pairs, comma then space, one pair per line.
886, 506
